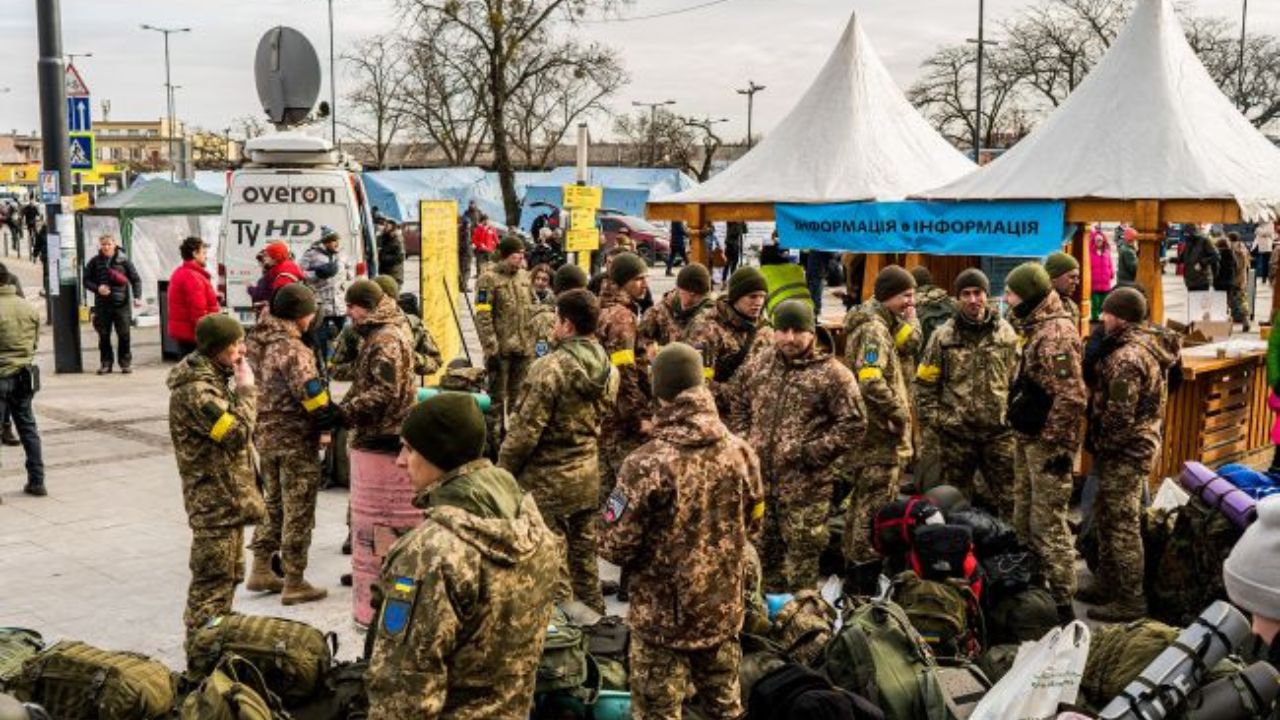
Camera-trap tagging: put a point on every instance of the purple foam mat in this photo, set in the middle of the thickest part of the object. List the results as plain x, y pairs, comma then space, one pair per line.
1218, 492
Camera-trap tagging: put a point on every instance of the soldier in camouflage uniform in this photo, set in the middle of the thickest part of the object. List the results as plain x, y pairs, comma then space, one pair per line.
1126, 418
504, 308
212, 411
383, 386
962, 389
731, 332
875, 329
426, 354
1064, 273
294, 419
464, 598
627, 425
1047, 400
553, 449
800, 409
667, 321
568, 277
686, 505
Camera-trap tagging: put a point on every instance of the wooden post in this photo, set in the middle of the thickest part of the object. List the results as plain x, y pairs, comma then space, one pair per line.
1150, 239
697, 246
1080, 250
875, 263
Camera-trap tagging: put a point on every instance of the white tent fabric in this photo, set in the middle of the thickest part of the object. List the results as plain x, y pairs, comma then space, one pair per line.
1147, 123
853, 136
155, 240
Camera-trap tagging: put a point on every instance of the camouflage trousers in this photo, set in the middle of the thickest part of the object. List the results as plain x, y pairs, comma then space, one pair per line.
1041, 498
579, 575
217, 566
506, 377
290, 481
964, 457
795, 534
1117, 512
927, 472
661, 679
872, 487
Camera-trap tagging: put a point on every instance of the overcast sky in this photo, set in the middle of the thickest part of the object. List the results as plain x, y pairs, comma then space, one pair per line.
696, 58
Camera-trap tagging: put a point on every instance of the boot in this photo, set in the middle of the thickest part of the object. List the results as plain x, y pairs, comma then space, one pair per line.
8, 436
125, 369
297, 590
1095, 593
863, 579
261, 579
1120, 610
346, 544
105, 369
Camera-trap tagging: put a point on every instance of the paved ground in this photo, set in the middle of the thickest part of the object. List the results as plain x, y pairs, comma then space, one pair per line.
103, 558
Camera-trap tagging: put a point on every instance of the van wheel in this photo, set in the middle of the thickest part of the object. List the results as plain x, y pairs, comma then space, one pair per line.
646, 253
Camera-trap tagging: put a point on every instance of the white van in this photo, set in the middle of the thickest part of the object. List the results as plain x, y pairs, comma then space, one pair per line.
291, 186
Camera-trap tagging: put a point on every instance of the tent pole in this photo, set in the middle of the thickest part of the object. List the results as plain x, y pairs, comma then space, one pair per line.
1148, 225
1080, 250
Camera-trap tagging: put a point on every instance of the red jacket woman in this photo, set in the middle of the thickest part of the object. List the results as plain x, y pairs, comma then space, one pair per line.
191, 293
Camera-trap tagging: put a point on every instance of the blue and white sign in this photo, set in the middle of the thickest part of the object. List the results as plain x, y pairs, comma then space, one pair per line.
1006, 228
81, 151
49, 187
79, 114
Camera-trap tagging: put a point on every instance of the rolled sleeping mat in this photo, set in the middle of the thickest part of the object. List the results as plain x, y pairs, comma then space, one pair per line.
1219, 493
1247, 694
1176, 673
482, 399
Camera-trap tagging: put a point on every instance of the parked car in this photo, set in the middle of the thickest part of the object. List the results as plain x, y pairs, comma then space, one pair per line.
412, 232
652, 242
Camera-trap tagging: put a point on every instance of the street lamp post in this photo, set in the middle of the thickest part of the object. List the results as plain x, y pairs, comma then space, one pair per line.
71, 57
750, 91
333, 93
982, 43
168, 84
1244, 21
653, 129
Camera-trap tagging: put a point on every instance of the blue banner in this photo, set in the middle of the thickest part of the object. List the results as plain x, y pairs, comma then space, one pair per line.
1005, 228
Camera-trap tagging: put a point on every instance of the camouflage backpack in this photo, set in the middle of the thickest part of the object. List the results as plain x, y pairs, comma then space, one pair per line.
803, 627
75, 681
940, 611
292, 656
563, 665
1185, 548
234, 690
16, 645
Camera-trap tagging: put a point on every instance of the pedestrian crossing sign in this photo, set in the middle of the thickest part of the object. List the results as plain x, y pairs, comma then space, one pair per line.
81, 151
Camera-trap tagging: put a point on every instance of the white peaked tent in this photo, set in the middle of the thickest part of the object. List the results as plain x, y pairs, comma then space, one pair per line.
853, 136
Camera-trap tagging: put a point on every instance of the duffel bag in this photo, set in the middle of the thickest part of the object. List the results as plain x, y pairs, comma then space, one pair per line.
75, 681
1021, 617
292, 656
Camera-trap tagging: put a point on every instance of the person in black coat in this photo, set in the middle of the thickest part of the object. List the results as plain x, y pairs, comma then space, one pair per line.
109, 276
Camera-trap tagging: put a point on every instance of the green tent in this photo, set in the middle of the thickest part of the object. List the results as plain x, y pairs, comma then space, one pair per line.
155, 197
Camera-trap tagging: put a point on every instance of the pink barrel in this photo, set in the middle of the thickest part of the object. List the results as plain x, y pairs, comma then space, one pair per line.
381, 511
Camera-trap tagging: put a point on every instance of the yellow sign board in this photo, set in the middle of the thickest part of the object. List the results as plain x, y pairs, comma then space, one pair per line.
583, 233
80, 201
439, 278
583, 196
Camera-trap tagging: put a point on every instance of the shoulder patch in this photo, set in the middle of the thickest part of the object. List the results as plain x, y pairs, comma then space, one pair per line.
211, 411
870, 354
541, 348
1062, 365
397, 608
1120, 391
615, 506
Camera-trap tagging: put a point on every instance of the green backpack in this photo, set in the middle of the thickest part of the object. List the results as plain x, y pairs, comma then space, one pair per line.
563, 665
292, 656
938, 610
878, 654
1185, 548
234, 690
16, 645
1024, 616
75, 681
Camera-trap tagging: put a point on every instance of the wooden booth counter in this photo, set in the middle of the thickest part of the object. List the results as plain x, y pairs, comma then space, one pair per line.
1219, 413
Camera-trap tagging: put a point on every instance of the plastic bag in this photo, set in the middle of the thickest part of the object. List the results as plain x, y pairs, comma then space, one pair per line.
1045, 674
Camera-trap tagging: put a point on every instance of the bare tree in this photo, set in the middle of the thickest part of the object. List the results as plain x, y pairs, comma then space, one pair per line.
250, 126
378, 69
710, 143
946, 92
443, 96
660, 138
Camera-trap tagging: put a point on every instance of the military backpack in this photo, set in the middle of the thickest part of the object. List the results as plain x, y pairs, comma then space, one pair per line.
1185, 548
16, 645
944, 612
234, 690
1024, 616
292, 656
75, 681
803, 627
563, 665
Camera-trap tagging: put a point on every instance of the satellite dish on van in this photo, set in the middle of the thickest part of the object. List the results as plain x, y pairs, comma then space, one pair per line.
287, 71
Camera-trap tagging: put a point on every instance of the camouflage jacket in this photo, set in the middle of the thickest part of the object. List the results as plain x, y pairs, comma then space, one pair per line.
1069, 305
426, 355
290, 389
211, 425
544, 329
686, 504
800, 416
617, 333
346, 348
933, 308
666, 322
962, 382
552, 446
504, 305
726, 338
871, 350
465, 599
1051, 357
1126, 409
382, 388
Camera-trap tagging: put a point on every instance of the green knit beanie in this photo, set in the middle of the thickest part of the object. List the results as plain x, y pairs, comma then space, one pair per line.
568, 277
744, 281
364, 293
626, 267
216, 332
794, 315
1127, 304
293, 302
388, 284
677, 368
510, 245
1059, 264
922, 275
694, 278
972, 278
1030, 281
893, 281
446, 429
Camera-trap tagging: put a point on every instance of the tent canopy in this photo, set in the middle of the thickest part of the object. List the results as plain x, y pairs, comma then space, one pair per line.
396, 192
852, 137
1147, 123
625, 189
214, 181
158, 197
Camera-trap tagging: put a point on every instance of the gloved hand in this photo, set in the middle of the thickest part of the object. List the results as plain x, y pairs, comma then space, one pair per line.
1059, 463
